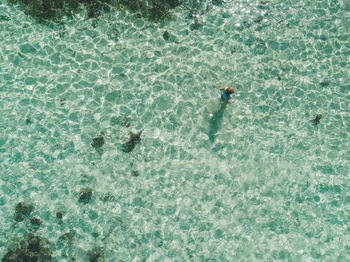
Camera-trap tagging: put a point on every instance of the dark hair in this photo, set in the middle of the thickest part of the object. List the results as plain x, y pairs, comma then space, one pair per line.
229, 91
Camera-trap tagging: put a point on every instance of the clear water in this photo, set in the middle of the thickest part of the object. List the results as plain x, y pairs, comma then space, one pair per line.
255, 181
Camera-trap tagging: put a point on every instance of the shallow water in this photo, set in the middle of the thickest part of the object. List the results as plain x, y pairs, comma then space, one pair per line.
252, 181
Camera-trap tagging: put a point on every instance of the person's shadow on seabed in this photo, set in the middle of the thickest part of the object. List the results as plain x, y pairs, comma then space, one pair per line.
215, 121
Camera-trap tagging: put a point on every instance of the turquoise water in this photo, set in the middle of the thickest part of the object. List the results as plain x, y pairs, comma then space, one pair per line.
254, 181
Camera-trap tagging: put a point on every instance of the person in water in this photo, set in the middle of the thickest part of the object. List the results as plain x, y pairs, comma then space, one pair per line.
226, 95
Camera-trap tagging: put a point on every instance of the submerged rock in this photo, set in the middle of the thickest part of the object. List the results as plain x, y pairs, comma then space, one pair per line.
125, 121
324, 83
68, 236
23, 209
166, 35
169, 37
135, 173
46, 11
217, 2
85, 194
98, 142
59, 215
28, 121
30, 248
196, 26
134, 139
55, 10
35, 222
107, 197
153, 10
96, 254
117, 120
317, 119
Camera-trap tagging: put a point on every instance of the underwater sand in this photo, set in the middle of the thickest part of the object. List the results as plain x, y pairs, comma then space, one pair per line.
255, 181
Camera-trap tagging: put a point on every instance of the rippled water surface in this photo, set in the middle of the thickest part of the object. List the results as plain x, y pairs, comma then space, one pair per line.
256, 180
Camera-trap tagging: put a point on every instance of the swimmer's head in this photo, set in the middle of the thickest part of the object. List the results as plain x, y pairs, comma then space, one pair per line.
229, 90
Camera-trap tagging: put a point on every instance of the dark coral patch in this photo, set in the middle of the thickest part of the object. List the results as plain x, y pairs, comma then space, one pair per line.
85, 194
54, 10
134, 139
30, 248
324, 83
59, 215
22, 210
316, 120
153, 10
35, 222
98, 142
135, 173
96, 254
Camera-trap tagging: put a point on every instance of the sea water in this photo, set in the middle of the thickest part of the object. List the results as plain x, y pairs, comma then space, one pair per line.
254, 180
